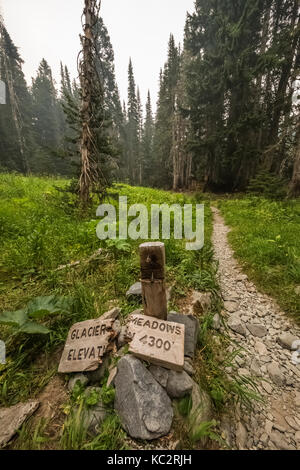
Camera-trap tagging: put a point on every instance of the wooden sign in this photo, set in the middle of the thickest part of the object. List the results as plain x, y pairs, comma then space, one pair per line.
87, 342
153, 260
157, 341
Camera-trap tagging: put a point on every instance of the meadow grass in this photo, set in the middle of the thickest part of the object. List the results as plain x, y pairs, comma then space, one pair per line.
41, 228
266, 238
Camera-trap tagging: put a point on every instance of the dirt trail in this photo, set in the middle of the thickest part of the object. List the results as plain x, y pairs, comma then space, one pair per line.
255, 321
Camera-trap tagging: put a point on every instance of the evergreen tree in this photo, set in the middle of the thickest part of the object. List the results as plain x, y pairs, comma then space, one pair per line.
164, 117
45, 108
147, 144
17, 145
132, 129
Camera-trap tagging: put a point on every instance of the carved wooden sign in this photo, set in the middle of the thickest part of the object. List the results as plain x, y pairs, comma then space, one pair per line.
86, 343
157, 341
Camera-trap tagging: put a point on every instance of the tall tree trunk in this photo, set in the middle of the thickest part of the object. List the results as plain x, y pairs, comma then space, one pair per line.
294, 190
92, 118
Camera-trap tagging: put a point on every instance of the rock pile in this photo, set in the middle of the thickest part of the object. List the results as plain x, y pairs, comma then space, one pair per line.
144, 391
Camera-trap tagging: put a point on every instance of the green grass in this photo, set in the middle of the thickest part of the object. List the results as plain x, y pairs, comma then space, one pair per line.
265, 237
41, 228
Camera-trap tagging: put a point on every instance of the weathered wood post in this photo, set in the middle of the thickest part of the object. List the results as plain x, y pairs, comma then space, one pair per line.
153, 260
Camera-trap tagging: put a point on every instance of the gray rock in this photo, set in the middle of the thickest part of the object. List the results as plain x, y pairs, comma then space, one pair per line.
202, 302
179, 384
264, 438
160, 374
77, 377
286, 340
142, 404
276, 373
216, 322
260, 348
95, 376
122, 339
188, 366
280, 441
11, 419
267, 387
236, 325
113, 313
241, 436
257, 330
230, 306
241, 277
135, 291
191, 331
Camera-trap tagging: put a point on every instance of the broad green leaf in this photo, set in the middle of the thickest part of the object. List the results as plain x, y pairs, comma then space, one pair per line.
17, 318
33, 328
42, 306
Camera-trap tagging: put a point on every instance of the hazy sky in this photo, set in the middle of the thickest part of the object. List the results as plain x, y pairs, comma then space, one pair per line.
138, 28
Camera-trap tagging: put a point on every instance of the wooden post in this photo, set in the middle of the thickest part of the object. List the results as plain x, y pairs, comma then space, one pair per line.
153, 260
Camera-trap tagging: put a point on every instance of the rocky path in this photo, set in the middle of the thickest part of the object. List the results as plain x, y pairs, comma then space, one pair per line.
256, 322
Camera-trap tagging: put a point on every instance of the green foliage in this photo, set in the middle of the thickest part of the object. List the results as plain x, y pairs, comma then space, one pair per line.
38, 308
265, 239
268, 185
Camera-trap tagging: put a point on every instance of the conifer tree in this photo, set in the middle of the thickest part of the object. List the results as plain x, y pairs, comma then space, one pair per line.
132, 128
147, 144
17, 144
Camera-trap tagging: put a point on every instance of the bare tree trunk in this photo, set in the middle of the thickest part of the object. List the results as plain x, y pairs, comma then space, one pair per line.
294, 190
92, 175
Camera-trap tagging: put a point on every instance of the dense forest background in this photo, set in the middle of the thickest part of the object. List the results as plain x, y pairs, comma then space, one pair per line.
227, 110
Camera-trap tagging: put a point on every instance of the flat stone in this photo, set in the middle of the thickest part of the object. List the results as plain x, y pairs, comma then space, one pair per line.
267, 387
135, 291
276, 373
286, 340
11, 419
241, 277
191, 324
260, 348
142, 404
160, 374
111, 314
280, 441
297, 436
241, 436
230, 306
236, 325
264, 438
179, 384
257, 330
156, 341
81, 378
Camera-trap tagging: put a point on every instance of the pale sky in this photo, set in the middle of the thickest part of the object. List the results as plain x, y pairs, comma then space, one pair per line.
137, 28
